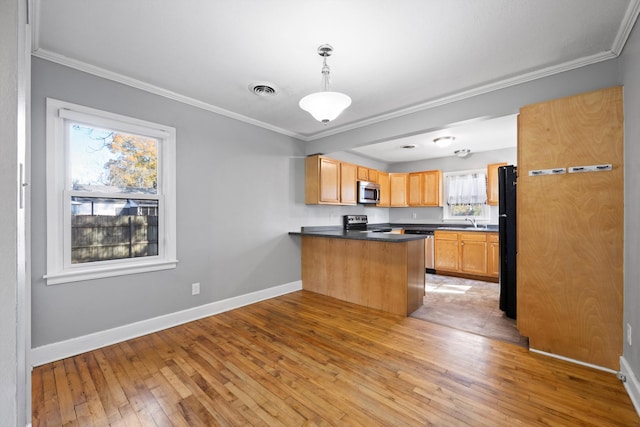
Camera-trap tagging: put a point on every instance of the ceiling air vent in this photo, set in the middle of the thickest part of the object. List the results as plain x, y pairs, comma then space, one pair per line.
262, 89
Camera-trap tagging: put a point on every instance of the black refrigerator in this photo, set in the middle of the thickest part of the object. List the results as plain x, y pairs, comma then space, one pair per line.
507, 234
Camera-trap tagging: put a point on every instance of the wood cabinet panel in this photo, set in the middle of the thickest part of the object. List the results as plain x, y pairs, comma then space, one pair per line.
570, 227
398, 185
385, 189
492, 183
446, 251
415, 189
363, 173
348, 184
473, 253
373, 175
493, 255
341, 268
322, 180
432, 188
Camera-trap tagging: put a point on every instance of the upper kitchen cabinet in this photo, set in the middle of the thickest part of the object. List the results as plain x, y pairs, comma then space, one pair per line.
416, 191
492, 183
385, 189
570, 226
425, 188
363, 173
399, 188
322, 181
432, 188
348, 184
329, 182
373, 175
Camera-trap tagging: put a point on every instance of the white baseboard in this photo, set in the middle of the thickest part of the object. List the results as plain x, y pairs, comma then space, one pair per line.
631, 384
72, 347
577, 362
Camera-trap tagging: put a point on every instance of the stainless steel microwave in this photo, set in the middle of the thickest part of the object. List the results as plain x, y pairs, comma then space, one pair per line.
368, 192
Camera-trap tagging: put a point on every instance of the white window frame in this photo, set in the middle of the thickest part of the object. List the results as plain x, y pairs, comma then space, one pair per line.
59, 266
446, 214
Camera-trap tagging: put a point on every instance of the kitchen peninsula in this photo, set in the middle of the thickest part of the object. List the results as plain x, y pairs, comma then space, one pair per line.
373, 268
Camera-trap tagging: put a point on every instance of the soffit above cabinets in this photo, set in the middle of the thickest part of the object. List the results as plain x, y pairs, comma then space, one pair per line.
391, 58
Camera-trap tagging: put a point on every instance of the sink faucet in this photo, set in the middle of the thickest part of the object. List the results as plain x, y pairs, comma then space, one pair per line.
472, 221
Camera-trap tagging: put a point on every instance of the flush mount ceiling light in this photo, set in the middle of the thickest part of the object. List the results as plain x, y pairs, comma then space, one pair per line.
444, 141
462, 153
325, 105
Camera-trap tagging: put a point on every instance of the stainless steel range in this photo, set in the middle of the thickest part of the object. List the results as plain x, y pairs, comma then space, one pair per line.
361, 223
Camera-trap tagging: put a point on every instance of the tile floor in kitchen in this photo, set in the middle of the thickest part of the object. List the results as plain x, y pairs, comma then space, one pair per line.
468, 305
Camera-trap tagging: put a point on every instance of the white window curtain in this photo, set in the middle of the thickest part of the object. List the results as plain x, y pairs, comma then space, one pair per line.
467, 189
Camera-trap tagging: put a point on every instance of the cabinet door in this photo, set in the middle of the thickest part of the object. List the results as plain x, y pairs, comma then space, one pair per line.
432, 188
492, 183
415, 189
446, 251
363, 174
329, 180
385, 189
348, 186
398, 184
493, 255
473, 253
373, 175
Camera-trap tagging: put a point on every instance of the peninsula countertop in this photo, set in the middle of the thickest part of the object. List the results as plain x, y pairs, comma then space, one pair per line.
374, 233
371, 235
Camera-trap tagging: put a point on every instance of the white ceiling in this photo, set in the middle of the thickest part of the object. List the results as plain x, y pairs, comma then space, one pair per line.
391, 57
477, 135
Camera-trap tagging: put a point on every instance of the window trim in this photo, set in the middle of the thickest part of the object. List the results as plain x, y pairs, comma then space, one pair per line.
446, 215
59, 269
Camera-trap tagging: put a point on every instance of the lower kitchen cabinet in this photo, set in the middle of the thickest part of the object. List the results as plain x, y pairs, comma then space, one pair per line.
493, 258
446, 251
473, 254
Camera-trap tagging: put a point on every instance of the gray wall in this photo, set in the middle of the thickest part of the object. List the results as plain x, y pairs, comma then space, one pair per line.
240, 191
631, 78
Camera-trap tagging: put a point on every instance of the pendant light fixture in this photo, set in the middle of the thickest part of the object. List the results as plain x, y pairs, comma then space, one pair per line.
325, 105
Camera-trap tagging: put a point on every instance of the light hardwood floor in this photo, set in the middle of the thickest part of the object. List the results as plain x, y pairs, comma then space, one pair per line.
306, 359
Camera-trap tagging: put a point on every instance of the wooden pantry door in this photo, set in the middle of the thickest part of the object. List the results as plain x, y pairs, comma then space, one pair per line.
570, 227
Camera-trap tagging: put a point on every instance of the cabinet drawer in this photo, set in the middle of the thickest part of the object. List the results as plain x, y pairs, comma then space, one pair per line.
445, 235
474, 237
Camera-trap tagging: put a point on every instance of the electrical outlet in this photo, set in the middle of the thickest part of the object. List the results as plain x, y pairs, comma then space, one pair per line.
628, 334
195, 288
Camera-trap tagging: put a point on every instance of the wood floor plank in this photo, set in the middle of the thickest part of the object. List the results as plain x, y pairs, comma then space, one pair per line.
306, 359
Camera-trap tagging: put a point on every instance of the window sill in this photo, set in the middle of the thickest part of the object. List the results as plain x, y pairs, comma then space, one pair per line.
81, 274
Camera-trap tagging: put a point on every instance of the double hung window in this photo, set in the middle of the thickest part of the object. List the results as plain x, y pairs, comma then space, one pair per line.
110, 194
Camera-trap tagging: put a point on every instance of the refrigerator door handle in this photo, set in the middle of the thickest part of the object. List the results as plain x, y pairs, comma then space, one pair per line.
502, 215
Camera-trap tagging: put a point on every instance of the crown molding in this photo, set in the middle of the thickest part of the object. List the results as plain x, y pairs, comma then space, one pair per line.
630, 17
480, 90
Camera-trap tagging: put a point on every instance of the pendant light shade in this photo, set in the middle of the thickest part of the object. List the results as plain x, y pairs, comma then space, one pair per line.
325, 105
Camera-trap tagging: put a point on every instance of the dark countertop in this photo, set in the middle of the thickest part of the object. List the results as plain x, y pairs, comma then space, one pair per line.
339, 233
